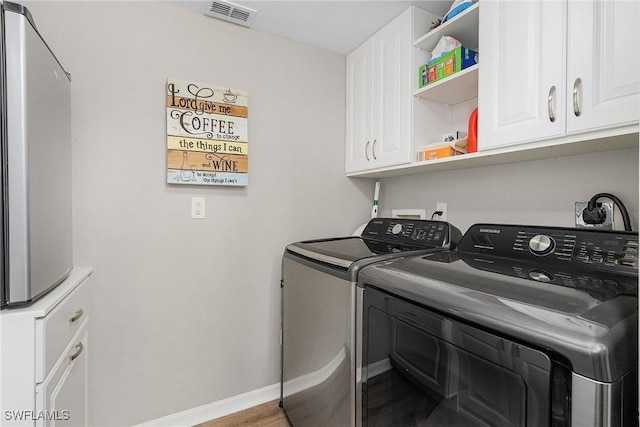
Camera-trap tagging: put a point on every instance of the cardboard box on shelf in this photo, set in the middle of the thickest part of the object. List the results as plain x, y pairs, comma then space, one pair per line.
447, 148
437, 153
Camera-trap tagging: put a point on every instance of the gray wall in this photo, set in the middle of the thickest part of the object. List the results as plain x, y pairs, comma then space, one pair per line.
541, 192
186, 312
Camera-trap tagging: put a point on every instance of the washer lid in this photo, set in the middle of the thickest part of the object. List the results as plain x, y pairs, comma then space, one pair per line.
382, 237
345, 251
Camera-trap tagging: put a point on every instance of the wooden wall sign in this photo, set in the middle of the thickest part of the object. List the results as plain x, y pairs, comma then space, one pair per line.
207, 138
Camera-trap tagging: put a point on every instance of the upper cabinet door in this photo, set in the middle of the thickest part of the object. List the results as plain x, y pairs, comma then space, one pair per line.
359, 108
379, 98
522, 73
393, 48
603, 67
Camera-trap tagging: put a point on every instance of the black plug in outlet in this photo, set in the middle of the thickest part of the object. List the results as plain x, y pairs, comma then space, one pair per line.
597, 215
594, 217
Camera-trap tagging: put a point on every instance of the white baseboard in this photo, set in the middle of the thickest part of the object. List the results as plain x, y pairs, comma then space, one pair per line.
218, 409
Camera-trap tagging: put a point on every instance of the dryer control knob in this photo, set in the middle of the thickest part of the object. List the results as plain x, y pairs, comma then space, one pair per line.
541, 244
397, 229
540, 276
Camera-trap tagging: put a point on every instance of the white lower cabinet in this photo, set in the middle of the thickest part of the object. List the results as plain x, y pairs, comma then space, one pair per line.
63, 394
44, 357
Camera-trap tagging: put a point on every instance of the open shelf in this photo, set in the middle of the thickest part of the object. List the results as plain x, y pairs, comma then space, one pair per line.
453, 89
463, 85
463, 27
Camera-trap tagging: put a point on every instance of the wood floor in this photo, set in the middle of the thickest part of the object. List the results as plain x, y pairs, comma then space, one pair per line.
266, 415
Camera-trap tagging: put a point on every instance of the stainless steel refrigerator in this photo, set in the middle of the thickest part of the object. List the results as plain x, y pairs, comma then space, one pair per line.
35, 129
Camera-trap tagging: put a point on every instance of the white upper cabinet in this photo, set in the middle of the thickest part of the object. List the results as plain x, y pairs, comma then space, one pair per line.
393, 47
554, 78
521, 81
359, 108
379, 98
555, 68
603, 67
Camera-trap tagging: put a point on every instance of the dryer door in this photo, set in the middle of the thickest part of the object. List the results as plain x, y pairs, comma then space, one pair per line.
420, 368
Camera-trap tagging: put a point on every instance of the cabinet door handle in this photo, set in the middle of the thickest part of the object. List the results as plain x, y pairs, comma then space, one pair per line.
74, 356
76, 316
576, 105
373, 149
366, 149
552, 93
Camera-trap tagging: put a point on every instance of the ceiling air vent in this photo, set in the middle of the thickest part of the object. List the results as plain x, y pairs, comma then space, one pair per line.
231, 12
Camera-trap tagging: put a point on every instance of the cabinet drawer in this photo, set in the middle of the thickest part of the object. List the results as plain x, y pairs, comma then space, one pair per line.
63, 393
54, 331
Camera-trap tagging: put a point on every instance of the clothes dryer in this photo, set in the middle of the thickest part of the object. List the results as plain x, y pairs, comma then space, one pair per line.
519, 326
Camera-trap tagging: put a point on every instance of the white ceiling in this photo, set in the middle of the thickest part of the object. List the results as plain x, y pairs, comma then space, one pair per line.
334, 25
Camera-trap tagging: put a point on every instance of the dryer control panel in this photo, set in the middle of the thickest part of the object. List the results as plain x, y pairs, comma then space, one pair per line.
616, 251
413, 232
604, 263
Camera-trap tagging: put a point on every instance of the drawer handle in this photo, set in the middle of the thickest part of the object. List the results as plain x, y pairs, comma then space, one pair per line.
75, 355
366, 148
76, 316
373, 149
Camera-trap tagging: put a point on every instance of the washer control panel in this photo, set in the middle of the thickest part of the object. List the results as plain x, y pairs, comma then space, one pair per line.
608, 250
413, 232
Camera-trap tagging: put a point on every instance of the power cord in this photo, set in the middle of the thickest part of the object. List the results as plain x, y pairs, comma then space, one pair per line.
594, 213
439, 213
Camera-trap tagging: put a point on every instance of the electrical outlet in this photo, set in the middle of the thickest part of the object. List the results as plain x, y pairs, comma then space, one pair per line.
197, 207
442, 207
606, 225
